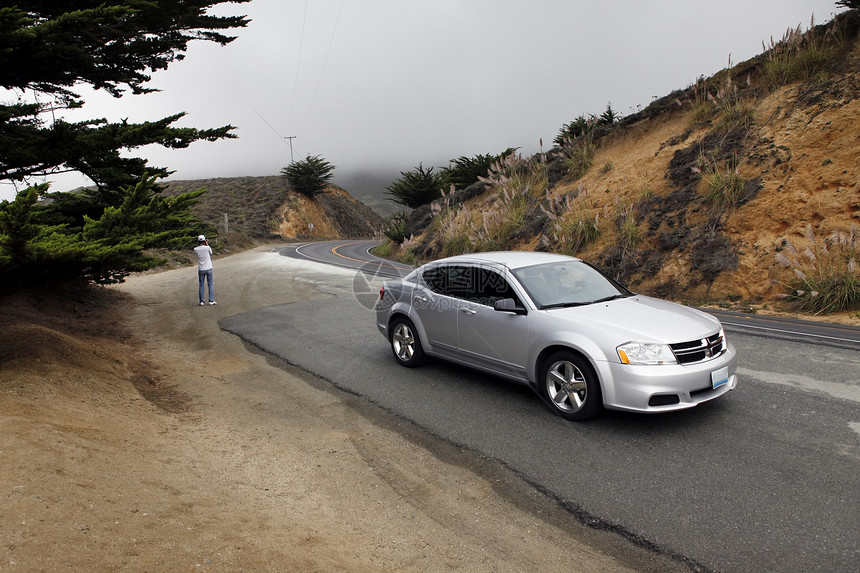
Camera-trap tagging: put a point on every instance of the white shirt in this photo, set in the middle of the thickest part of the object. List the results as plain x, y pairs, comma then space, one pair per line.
204, 257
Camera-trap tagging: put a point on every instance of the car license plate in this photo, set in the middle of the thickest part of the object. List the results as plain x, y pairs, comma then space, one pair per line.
720, 377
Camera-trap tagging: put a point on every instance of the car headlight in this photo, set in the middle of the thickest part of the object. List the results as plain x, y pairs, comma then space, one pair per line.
645, 353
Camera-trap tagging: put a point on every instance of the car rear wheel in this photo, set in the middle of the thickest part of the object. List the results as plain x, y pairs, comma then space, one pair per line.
405, 343
569, 386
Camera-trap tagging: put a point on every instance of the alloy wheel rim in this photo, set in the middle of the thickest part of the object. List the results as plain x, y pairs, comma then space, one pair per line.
566, 386
404, 342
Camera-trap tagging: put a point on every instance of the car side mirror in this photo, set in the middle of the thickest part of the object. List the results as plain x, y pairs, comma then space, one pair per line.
508, 305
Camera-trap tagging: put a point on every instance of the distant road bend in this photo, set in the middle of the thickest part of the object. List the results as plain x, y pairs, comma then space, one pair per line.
355, 254
348, 254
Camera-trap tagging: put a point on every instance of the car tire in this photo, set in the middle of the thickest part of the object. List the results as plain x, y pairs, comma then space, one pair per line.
405, 343
569, 386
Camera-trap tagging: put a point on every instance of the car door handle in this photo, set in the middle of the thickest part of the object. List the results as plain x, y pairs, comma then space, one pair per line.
469, 311
420, 298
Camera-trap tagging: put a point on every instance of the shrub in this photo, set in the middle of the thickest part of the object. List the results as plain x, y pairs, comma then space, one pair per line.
573, 227
735, 111
827, 274
451, 225
579, 155
724, 187
415, 188
396, 229
702, 105
464, 171
514, 183
571, 131
609, 116
309, 176
629, 232
800, 55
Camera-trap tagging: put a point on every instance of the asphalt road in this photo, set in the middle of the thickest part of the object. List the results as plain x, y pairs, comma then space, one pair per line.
765, 479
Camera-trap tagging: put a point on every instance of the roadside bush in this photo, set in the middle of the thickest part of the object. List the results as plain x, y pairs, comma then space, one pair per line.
396, 229
826, 271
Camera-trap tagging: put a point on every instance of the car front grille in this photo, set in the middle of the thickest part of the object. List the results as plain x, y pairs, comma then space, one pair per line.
698, 350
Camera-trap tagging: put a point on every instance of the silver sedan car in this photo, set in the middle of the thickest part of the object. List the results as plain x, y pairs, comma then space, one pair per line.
577, 337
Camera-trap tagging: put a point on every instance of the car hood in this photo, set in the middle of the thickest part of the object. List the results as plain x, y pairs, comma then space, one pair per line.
643, 319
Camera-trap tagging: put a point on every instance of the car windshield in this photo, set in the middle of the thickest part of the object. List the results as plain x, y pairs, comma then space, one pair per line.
568, 283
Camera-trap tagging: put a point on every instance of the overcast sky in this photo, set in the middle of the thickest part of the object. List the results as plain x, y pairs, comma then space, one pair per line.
389, 84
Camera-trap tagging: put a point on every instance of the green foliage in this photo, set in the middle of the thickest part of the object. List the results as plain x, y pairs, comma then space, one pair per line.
702, 103
800, 55
516, 184
47, 48
827, 272
579, 156
629, 231
309, 176
571, 131
735, 111
724, 186
465, 171
102, 250
609, 116
396, 229
451, 225
573, 225
584, 124
415, 188
576, 231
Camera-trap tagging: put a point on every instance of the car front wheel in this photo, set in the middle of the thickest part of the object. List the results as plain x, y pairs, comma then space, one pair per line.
568, 384
405, 343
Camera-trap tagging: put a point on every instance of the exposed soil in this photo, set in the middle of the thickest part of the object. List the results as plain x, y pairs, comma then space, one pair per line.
242, 210
135, 434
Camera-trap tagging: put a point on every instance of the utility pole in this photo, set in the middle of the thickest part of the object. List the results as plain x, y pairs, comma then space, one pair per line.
291, 138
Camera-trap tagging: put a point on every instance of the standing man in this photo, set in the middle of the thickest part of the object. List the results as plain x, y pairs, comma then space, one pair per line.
204, 268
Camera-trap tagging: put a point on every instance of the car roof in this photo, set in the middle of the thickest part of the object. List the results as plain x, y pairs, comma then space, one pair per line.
510, 259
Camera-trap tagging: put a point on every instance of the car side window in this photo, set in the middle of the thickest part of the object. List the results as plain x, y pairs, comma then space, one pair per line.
436, 279
488, 286
448, 280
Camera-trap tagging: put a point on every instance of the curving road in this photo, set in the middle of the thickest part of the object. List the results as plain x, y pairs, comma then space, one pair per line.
348, 254
766, 479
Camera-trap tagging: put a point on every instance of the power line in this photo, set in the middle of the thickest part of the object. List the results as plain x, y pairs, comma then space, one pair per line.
299, 59
325, 62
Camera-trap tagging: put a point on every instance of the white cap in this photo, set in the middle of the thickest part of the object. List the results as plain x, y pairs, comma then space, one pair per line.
201, 238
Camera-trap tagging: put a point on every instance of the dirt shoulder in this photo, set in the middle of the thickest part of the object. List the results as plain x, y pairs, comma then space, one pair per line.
237, 461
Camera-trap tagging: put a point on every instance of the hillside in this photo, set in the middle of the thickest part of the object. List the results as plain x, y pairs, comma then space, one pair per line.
704, 196
694, 197
247, 210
